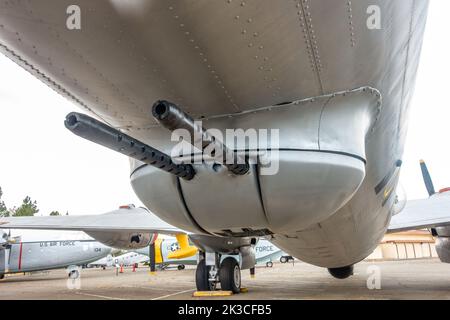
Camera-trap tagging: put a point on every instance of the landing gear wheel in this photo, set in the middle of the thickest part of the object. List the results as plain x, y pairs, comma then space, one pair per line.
283, 259
269, 264
341, 273
181, 267
202, 278
74, 274
230, 275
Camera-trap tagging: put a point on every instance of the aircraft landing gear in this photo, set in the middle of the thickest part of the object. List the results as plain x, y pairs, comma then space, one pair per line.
341, 273
203, 278
74, 274
286, 259
228, 273
181, 267
269, 264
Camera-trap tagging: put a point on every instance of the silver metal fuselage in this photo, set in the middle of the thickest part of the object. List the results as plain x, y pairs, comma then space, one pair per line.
344, 87
46, 255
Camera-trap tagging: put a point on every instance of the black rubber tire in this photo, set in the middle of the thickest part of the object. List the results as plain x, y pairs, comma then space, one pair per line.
2, 276
283, 259
269, 264
230, 275
181, 267
74, 274
342, 272
201, 278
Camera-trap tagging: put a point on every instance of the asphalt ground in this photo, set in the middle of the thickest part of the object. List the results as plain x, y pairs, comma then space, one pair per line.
410, 279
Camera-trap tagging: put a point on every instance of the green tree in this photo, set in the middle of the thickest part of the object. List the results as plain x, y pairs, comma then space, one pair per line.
28, 208
4, 212
55, 213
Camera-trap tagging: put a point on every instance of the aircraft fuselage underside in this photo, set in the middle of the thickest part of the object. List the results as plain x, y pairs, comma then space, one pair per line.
334, 77
302, 200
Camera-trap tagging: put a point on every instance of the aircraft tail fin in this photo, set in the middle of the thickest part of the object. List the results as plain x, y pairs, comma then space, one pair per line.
185, 251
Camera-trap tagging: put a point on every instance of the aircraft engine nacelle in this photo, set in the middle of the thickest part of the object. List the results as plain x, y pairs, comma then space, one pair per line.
443, 243
123, 240
443, 249
247, 257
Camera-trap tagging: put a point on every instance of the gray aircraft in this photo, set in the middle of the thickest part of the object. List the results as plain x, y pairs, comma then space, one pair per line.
263, 118
17, 256
432, 213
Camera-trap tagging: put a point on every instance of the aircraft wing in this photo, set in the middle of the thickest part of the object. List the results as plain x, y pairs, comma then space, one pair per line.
425, 213
122, 220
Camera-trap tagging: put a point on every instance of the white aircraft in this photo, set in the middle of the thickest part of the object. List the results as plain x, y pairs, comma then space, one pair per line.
103, 263
303, 108
125, 259
17, 256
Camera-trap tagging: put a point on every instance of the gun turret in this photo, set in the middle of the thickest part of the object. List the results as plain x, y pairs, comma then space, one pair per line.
111, 138
172, 117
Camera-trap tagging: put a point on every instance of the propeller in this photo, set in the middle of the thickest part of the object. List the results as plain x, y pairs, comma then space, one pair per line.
6, 240
427, 178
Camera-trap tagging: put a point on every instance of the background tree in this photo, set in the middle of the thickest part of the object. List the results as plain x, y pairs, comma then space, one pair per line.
55, 213
28, 208
4, 212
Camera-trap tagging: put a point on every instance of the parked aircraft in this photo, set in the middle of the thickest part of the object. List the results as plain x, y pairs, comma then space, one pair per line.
125, 259
309, 127
17, 256
265, 253
167, 249
432, 213
103, 263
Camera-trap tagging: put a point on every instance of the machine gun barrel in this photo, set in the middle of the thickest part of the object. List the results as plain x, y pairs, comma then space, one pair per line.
172, 117
100, 133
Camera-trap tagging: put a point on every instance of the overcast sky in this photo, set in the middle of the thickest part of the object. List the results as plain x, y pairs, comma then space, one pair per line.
42, 159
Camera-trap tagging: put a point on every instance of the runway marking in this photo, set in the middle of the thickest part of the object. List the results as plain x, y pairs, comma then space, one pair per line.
98, 296
150, 288
173, 294
269, 287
